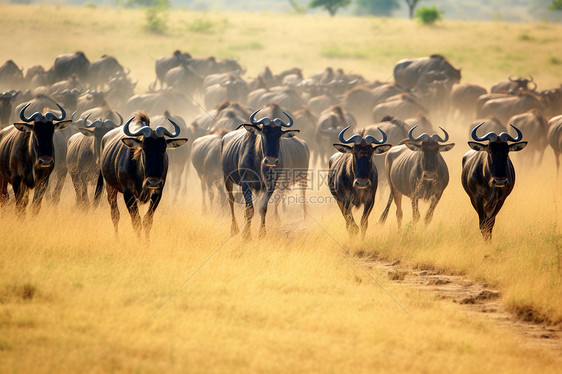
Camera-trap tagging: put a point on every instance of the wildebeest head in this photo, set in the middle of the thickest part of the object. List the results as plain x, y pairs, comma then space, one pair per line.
151, 148
362, 149
42, 128
271, 131
430, 147
498, 150
98, 128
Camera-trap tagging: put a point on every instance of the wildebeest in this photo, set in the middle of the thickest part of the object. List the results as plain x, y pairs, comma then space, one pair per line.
185, 78
330, 123
173, 99
514, 84
11, 76
409, 72
555, 138
416, 169
463, 100
135, 164
353, 176
505, 107
401, 106
84, 151
72, 63
27, 156
206, 159
165, 63
102, 69
6, 105
535, 127
488, 176
229, 88
254, 158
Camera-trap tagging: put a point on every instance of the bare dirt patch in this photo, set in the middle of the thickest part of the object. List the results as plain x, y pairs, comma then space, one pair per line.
474, 297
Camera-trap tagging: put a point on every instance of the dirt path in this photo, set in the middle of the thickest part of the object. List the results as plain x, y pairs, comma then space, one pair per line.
471, 296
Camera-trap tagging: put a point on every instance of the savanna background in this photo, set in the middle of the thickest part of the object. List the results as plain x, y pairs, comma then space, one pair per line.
74, 298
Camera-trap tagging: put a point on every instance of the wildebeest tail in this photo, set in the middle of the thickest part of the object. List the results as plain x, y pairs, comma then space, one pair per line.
99, 187
384, 214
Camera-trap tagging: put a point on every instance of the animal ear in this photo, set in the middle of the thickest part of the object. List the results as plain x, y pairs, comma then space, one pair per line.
62, 124
343, 148
132, 142
517, 146
478, 146
290, 133
412, 146
251, 128
86, 131
446, 147
23, 126
175, 143
378, 149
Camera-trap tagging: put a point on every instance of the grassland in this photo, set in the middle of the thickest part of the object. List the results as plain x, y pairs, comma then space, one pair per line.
75, 299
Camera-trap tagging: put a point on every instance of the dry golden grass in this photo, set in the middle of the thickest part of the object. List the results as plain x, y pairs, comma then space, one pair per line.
75, 299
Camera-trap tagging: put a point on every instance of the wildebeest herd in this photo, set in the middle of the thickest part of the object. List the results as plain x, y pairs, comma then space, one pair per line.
259, 135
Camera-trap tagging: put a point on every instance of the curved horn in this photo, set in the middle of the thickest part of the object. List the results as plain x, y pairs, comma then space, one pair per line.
491, 136
534, 86
34, 117
51, 117
511, 79
505, 136
437, 138
145, 130
85, 121
161, 131
369, 139
357, 139
531, 79
280, 122
261, 121
422, 137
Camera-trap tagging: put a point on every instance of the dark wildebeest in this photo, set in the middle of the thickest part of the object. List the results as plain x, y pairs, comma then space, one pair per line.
163, 64
185, 78
135, 164
72, 63
488, 175
353, 176
416, 169
206, 159
535, 127
513, 85
409, 72
330, 123
555, 138
255, 158
27, 156
102, 69
84, 151
463, 100
6, 105
11, 76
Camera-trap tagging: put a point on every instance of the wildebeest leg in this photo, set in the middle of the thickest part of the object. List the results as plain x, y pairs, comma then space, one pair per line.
228, 185
365, 217
112, 199
3, 191
557, 158
432, 206
37, 196
350, 224
415, 207
263, 210
148, 217
249, 211
398, 201
132, 206
58, 187
98, 190
384, 214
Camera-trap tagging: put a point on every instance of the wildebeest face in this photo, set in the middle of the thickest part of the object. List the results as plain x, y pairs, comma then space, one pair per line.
430, 159
270, 141
42, 132
152, 151
498, 155
362, 160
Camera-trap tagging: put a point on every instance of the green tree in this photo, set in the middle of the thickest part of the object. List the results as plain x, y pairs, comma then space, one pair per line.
556, 5
376, 7
331, 6
429, 15
412, 6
